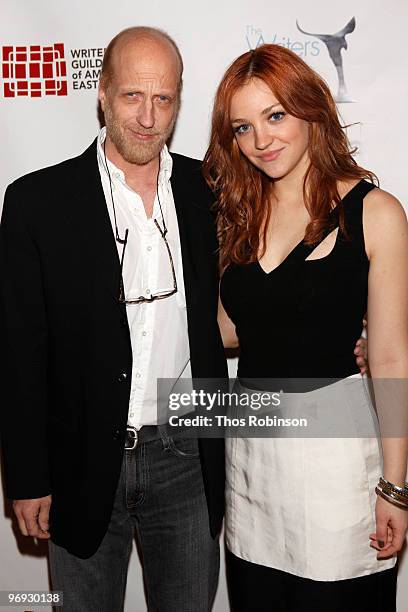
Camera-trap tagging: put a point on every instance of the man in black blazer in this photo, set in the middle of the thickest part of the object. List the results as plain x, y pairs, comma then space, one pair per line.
69, 350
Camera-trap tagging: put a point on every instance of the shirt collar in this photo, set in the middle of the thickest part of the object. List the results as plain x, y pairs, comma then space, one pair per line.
166, 161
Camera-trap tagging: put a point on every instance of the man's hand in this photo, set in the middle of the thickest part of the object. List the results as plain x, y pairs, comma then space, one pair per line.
360, 352
32, 516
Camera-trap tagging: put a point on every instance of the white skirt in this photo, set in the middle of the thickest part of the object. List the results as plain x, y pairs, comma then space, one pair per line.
307, 505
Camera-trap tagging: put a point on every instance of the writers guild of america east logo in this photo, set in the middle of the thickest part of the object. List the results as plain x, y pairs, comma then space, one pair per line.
335, 43
34, 70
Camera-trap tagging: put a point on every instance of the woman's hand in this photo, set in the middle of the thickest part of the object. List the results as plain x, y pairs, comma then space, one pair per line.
391, 528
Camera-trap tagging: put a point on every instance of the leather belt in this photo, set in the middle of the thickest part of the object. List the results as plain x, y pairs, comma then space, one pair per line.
148, 433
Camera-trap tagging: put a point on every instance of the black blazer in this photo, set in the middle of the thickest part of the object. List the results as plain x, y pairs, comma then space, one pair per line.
65, 342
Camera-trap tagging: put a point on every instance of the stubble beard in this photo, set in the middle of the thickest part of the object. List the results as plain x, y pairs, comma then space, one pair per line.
132, 152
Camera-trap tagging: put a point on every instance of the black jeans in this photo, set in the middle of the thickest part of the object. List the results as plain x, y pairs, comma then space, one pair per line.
160, 497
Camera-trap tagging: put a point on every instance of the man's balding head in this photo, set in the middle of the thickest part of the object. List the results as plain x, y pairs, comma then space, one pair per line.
142, 36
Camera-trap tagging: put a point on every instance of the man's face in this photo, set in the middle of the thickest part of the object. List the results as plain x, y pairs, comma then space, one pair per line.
141, 100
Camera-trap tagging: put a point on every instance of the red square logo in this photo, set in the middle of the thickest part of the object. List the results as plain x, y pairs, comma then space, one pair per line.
20, 70
47, 71
34, 70
7, 52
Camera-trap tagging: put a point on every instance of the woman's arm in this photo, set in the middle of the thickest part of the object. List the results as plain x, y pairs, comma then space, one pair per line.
386, 237
227, 328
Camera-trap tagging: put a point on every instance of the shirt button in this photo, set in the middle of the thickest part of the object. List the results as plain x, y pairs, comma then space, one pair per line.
137, 374
122, 377
144, 333
149, 248
131, 414
148, 291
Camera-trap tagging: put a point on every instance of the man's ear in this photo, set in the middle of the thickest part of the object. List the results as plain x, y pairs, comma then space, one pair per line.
102, 96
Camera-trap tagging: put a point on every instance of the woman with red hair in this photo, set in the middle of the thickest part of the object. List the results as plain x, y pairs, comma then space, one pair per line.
308, 245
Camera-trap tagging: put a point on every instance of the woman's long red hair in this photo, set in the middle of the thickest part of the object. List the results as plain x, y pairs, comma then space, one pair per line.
242, 191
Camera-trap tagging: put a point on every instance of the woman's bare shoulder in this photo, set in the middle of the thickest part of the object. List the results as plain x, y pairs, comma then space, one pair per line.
382, 206
384, 220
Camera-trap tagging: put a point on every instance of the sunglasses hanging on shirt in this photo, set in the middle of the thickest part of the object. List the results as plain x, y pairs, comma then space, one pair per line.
160, 295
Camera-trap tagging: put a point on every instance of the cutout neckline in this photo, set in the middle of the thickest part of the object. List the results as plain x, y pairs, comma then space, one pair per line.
300, 243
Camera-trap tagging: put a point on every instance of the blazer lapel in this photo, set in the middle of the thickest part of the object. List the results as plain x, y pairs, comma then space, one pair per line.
96, 226
182, 200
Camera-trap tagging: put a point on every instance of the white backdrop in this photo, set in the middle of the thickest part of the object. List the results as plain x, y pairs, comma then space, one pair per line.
38, 131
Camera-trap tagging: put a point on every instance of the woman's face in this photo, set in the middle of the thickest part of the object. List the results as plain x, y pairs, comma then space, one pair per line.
274, 141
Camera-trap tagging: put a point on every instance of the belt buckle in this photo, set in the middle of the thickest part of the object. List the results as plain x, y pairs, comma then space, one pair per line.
134, 432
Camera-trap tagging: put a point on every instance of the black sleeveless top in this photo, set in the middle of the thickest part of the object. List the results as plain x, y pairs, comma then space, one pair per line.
302, 320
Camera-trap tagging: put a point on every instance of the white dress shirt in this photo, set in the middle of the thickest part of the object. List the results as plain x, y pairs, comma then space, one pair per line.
158, 330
